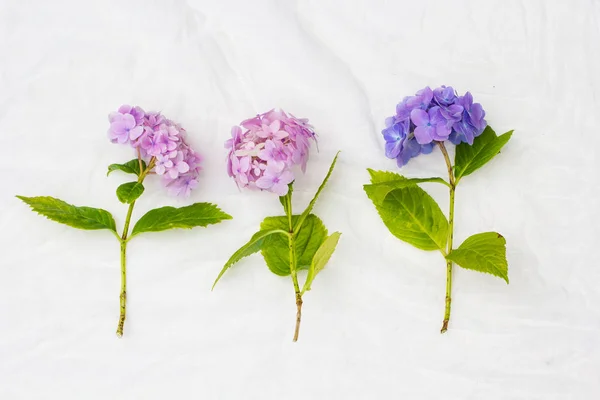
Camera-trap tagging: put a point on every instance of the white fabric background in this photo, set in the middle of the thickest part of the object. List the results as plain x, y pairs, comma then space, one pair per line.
371, 323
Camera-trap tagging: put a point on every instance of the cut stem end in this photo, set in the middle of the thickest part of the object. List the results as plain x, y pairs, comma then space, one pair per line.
444, 326
298, 315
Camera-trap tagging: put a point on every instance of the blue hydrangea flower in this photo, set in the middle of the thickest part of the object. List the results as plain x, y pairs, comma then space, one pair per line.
472, 123
428, 117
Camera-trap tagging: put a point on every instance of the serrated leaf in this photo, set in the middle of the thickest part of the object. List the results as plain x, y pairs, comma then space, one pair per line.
483, 252
383, 176
78, 217
310, 206
413, 216
469, 158
130, 192
197, 214
253, 246
321, 258
307, 240
130, 167
377, 192
383, 182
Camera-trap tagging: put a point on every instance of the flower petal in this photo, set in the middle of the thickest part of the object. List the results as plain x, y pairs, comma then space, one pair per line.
136, 132
264, 182
280, 189
419, 117
423, 134
275, 125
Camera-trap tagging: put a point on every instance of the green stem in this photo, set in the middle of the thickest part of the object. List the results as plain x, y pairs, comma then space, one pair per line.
292, 256
123, 295
124, 239
448, 299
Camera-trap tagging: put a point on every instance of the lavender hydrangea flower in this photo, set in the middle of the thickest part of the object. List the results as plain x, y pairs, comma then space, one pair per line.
430, 125
264, 155
275, 181
428, 117
472, 122
444, 95
123, 128
161, 143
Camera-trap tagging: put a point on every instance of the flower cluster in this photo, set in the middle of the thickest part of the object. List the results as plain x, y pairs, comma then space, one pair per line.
161, 143
264, 154
430, 116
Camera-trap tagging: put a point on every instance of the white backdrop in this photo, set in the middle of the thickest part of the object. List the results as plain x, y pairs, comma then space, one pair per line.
370, 326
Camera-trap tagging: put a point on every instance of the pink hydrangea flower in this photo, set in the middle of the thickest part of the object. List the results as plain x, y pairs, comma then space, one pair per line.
263, 156
161, 143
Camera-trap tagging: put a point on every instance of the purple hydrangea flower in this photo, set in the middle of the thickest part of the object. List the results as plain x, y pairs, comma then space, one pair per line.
124, 128
428, 117
421, 100
430, 125
444, 95
275, 181
182, 186
472, 123
264, 154
161, 143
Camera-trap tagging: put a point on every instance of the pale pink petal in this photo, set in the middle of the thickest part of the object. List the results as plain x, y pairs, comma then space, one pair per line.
245, 164
275, 125
183, 167
286, 177
264, 182
136, 132
280, 188
173, 173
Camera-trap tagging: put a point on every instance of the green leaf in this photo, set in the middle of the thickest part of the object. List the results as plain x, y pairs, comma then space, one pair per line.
321, 258
407, 210
306, 212
307, 240
383, 182
383, 176
198, 214
377, 192
130, 192
483, 252
77, 217
254, 245
469, 159
130, 167
413, 216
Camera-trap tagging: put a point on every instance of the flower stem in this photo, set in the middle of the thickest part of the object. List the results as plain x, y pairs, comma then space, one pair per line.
292, 256
124, 240
123, 295
449, 241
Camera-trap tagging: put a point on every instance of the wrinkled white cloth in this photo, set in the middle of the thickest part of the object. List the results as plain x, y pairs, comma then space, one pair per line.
370, 326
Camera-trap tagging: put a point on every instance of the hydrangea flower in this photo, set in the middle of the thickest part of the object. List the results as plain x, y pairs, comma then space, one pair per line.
263, 154
161, 143
431, 116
